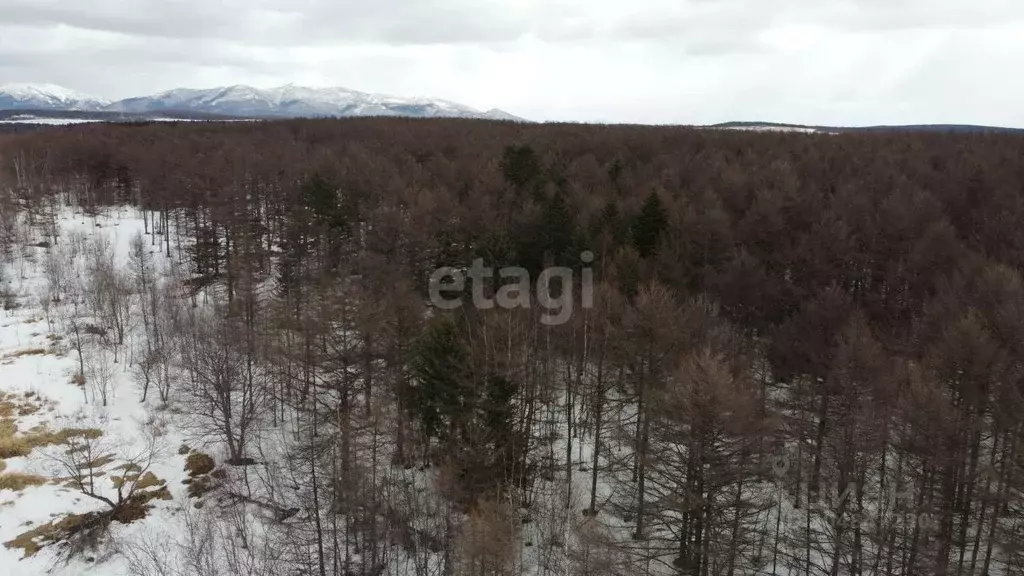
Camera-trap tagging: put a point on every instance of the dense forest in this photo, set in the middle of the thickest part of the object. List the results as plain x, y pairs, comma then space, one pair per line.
804, 354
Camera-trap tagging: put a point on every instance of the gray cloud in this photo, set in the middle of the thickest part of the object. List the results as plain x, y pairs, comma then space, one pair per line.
690, 61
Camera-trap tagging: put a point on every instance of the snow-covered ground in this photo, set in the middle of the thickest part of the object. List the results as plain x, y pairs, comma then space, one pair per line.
28, 119
47, 121
774, 128
37, 362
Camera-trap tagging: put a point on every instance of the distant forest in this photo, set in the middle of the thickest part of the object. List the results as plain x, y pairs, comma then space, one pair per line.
805, 356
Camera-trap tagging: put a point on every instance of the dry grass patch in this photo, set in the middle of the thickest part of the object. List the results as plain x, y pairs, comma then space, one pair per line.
13, 405
138, 506
198, 464
39, 537
17, 482
147, 480
200, 486
48, 438
202, 478
7, 427
78, 531
99, 462
10, 445
26, 352
74, 483
14, 446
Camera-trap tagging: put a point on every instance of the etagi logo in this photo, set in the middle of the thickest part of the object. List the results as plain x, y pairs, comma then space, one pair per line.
515, 288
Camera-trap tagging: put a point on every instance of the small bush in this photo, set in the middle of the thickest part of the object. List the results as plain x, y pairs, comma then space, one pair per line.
201, 486
93, 330
138, 506
8, 300
198, 464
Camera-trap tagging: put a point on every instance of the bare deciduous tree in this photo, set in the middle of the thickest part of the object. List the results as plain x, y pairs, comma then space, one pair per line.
108, 291
86, 455
225, 398
100, 373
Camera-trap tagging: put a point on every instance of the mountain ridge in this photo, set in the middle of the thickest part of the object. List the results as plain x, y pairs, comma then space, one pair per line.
817, 128
240, 100
25, 96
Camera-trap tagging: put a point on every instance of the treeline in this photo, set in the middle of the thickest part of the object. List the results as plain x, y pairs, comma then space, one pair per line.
805, 354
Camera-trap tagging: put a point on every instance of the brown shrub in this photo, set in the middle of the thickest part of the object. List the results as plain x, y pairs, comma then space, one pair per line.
201, 486
487, 542
198, 464
138, 506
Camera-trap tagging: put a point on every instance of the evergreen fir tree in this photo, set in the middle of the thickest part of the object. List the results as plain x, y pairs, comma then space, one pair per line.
649, 225
521, 166
441, 369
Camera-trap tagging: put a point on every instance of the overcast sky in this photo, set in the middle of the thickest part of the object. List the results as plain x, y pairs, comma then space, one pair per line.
846, 62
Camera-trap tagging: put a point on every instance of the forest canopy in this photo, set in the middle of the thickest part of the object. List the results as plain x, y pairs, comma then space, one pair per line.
852, 302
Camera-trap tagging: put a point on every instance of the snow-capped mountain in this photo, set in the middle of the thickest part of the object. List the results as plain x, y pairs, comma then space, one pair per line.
47, 97
299, 101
